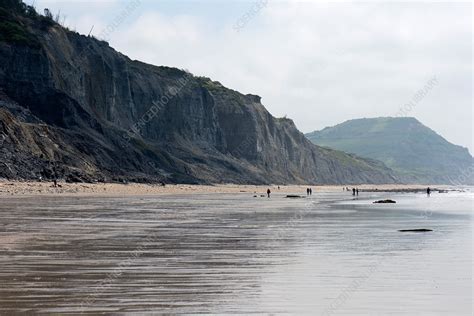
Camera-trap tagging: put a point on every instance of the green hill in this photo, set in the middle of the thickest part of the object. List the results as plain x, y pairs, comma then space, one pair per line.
414, 151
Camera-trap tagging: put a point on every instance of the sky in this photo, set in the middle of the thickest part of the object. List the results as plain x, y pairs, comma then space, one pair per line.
318, 63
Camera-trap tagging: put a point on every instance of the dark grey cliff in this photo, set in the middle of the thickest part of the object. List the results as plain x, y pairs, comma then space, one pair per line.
73, 107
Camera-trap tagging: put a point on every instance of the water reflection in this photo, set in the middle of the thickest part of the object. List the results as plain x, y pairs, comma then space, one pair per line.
234, 253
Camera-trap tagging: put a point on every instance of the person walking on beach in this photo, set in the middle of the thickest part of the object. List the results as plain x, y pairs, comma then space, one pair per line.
307, 191
357, 191
428, 191
268, 192
353, 191
310, 191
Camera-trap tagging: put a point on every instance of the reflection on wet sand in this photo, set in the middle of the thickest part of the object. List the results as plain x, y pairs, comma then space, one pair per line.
216, 253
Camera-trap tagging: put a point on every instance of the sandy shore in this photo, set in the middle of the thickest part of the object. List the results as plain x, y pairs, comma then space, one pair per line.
46, 188
211, 254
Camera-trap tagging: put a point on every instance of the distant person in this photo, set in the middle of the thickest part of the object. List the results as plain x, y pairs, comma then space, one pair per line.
357, 191
55, 182
307, 191
268, 192
353, 191
428, 191
278, 187
310, 191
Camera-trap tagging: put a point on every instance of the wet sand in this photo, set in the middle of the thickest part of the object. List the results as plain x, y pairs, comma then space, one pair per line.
221, 253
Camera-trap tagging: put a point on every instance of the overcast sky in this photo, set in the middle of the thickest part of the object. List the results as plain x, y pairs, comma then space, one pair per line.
319, 63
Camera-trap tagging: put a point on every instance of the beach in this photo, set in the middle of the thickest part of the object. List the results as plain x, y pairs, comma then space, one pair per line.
47, 188
220, 253
236, 158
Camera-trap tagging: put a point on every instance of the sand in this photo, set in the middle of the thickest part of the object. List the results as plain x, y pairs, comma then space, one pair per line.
219, 254
46, 188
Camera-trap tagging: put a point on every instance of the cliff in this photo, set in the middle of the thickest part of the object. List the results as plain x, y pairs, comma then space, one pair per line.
73, 107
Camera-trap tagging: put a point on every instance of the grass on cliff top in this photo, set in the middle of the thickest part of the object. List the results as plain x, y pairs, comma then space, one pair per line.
15, 17
216, 88
209, 84
12, 30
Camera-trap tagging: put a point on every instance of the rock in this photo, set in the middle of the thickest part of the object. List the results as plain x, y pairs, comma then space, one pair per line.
385, 201
294, 196
75, 101
417, 230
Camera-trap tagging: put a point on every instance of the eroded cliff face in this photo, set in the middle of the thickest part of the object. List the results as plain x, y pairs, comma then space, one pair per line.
75, 107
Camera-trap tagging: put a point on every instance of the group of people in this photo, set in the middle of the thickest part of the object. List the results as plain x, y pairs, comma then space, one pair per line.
309, 191
355, 191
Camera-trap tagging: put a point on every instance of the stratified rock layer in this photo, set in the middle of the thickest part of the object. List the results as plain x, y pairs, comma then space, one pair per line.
73, 107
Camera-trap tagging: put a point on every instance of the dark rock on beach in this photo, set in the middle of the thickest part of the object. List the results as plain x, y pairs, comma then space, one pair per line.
417, 230
385, 201
400, 190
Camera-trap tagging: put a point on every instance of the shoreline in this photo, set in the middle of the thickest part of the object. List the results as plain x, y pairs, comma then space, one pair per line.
19, 188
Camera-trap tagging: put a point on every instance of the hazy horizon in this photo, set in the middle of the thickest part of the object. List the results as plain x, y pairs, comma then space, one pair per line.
315, 62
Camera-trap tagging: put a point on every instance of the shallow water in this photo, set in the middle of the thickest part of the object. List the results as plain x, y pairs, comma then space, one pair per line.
232, 253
